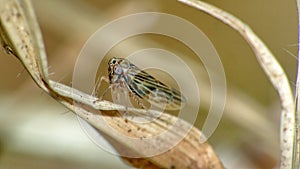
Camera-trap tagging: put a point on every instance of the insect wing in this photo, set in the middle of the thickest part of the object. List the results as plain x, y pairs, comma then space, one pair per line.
157, 93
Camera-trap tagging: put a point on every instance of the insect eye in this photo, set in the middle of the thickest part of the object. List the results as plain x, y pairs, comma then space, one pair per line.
117, 70
125, 64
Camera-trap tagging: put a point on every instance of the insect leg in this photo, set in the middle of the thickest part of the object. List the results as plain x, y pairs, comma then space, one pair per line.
98, 84
137, 100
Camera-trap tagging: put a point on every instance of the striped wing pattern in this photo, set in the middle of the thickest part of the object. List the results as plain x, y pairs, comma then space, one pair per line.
143, 85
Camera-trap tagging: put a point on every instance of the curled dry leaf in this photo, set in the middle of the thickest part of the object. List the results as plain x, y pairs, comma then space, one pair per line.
21, 35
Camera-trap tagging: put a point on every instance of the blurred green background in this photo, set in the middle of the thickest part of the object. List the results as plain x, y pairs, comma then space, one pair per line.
37, 132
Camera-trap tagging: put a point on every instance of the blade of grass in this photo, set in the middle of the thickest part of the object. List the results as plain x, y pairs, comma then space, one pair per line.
297, 138
273, 71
